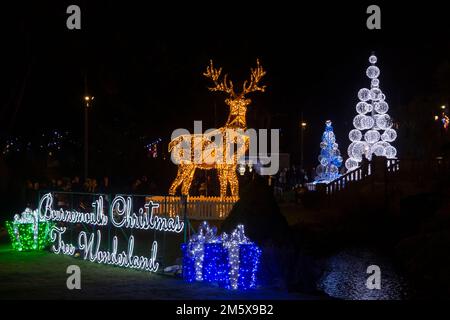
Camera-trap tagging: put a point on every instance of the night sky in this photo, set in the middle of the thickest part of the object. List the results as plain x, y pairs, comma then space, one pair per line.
144, 64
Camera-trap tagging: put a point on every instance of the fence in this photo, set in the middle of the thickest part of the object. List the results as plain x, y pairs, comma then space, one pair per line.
198, 208
358, 174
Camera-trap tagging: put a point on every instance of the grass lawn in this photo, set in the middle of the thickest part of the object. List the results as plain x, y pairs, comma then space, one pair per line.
42, 275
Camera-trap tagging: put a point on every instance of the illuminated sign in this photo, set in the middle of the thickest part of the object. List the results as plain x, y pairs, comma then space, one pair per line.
120, 216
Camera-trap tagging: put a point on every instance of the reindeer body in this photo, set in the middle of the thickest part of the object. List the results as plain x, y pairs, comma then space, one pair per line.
203, 151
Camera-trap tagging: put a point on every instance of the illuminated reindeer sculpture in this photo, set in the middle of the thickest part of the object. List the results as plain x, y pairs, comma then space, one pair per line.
215, 149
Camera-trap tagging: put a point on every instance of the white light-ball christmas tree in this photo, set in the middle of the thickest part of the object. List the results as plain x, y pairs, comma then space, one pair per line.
373, 131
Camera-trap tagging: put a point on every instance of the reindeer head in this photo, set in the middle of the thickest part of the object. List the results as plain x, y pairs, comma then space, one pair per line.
238, 102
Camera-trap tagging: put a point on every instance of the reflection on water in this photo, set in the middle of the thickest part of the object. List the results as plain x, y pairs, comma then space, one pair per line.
346, 277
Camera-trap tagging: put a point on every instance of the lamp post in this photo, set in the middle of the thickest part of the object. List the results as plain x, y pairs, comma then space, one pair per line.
302, 128
87, 104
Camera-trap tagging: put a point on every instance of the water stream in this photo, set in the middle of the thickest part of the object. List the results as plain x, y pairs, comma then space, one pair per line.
346, 276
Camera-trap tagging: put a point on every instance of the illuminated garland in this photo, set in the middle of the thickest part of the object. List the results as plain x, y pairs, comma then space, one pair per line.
27, 233
230, 260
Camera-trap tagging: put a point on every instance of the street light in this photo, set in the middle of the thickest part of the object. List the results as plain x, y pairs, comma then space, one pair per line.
443, 107
87, 103
303, 125
88, 100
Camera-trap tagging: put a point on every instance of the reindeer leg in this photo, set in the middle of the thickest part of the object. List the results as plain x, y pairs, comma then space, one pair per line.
187, 180
233, 181
223, 182
178, 180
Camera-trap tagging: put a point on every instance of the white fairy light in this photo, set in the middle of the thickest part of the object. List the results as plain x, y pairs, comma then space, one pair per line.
372, 136
383, 121
375, 83
358, 150
358, 122
381, 107
389, 135
355, 135
372, 116
367, 122
232, 243
375, 94
364, 94
391, 152
362, 107
372, 72
351, 164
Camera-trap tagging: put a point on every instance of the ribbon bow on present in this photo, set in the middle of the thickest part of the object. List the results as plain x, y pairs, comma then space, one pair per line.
209, 232
232, 243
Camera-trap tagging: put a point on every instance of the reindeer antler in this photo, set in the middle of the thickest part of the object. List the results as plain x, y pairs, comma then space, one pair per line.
255, 77
214, 75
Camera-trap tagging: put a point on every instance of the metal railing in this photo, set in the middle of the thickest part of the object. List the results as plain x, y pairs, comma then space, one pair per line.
358, 174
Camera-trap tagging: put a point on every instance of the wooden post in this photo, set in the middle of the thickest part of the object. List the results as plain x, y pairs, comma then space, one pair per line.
184, 204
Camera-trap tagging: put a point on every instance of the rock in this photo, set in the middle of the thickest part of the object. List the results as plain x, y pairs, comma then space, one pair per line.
258, 211
284, 264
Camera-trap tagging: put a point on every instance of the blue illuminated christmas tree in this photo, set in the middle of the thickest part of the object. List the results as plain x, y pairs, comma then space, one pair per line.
330, 157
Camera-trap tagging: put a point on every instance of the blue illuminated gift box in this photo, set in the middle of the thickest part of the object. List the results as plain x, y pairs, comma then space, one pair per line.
188, 264
249, 257
215, 264
231, 261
